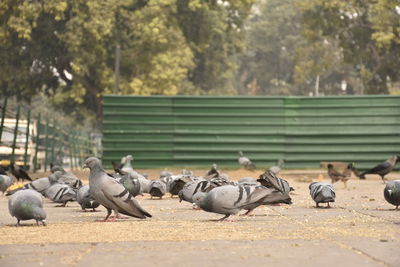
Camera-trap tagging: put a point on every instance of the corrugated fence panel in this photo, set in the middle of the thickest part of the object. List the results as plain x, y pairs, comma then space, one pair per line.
161, 131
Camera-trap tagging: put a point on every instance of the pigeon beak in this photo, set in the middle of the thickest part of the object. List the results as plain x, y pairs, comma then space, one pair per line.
85, 166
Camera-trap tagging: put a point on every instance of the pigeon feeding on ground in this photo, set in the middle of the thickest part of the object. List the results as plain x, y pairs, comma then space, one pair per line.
110, 193
27, 205
5, 182
85, 200
191, 188
322, 193
246, 162
158, 188
61, 193
392, 193
383, 168
270, 180
19, 172
230, 199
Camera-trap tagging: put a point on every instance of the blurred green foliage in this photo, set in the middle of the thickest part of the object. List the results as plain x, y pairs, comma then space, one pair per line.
65, 49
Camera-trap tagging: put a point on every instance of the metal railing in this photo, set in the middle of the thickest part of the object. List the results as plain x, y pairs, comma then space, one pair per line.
35, 141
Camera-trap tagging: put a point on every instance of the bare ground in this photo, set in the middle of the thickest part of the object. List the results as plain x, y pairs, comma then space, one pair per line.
360, 230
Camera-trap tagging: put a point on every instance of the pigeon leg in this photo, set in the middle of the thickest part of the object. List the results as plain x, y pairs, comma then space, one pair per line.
18, 224
93, 210
328, 205
317, 205
248, 213
383, 179
225, 218
107, 216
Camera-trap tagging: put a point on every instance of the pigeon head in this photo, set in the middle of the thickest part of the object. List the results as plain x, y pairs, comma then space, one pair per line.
330, 166
241, 153
91, 163
39, 214
198, 198
214, 166
397, 158
278, 197
129, 157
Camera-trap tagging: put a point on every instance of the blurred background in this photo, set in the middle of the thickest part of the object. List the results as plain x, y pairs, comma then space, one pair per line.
59, 58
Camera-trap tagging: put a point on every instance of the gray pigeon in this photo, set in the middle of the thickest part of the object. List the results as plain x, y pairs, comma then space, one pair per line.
178, 183
110, 193
5, 182
322, 193
246, 162
144, 182
158, 188
270, 180
132, 184
392, 193
84, 199
191, 188
27, 205
273, 196
230, 199
60, 193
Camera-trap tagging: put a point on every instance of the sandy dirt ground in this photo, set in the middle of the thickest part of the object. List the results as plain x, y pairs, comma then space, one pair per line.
361, 229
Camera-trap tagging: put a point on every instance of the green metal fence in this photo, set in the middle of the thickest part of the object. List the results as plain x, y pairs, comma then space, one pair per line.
184, 130
37, 140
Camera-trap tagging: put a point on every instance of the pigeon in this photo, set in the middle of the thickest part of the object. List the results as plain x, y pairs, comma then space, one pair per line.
277, 168
383, 168
118, 167
60, 193
212, 173
392, 193
273, 197
246, 162
144, 182
84, 199
5, 182
27, 205
270, 180
336, 175
220, 181
191, 188
110, 193
230, 199
19, 172
158, 188
131, 184
322, 193
178, 183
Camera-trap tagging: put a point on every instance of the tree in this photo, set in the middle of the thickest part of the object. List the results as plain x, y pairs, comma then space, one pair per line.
367, 33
